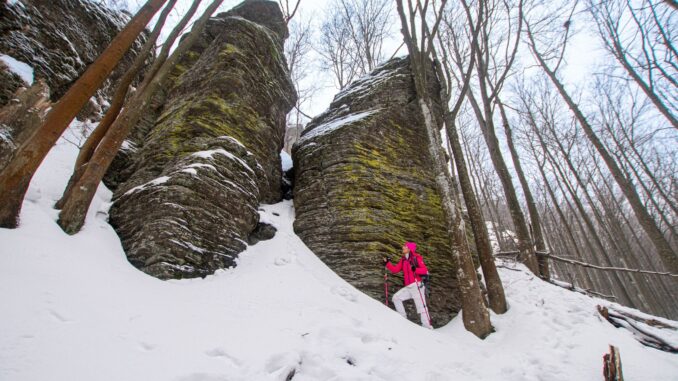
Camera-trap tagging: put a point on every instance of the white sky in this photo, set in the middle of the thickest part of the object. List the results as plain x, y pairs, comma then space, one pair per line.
582, 56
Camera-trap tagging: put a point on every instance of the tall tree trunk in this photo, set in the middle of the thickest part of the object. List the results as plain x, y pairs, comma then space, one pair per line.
646, 295
639, 158
474, 314
117, 102
529, 200
524, 242
617, 283
16, 176
476, 179
568, 228
74, 210
622, 157
669, 257
495, 289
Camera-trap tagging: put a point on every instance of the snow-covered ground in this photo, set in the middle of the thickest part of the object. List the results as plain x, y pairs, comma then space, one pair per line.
73, 308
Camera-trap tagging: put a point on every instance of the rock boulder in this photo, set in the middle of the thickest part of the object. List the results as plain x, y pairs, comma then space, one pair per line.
195, 170
363, 186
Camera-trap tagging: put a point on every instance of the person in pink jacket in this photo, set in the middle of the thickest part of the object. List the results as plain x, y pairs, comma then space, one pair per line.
413, 267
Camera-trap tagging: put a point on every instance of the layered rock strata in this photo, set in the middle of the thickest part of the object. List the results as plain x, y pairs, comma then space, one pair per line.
51, 43
194, 171
58, 39
363, 186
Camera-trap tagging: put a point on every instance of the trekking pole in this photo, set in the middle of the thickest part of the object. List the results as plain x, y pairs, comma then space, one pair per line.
425, 306
386, 287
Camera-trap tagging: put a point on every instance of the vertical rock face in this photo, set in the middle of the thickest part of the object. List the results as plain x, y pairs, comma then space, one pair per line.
363, 187
196, 168
59, 39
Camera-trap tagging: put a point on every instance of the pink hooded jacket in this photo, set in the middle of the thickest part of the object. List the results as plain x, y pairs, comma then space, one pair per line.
405, 265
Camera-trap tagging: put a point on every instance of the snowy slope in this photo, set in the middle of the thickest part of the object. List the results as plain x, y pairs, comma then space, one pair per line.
73, 308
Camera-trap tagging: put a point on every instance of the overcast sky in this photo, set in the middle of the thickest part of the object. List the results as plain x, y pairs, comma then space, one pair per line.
582, 55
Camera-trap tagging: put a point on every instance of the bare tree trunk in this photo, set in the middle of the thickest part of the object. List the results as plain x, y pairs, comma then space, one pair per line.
639, 158
16, 176
475, 316
524, 242
117, 102
618, 283
531, 207
495, 289
660, 284
647, 295
74, 210
475, 177
646, 221
561, 214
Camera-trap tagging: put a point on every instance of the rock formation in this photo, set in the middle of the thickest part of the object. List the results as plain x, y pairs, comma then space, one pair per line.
195, 170
59, 39
362, 187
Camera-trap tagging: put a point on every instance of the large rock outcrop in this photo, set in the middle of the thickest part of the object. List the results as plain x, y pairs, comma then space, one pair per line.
194, 171
363, 186
59, 39
56, 40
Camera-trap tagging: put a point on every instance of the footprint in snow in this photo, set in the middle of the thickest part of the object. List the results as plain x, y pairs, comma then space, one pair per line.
146, 346
221, 353
59, 316
283, 366
282, 261
345, 293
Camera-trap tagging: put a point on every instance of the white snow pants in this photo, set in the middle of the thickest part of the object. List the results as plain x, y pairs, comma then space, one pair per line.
413, 292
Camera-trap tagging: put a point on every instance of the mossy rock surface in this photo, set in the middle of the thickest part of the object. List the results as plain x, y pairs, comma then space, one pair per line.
207, 154
363, 186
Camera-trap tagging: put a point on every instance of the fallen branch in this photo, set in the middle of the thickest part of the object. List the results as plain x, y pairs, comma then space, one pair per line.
584, 291
584, 264
644, 337
651, 322
508, 268
506, 254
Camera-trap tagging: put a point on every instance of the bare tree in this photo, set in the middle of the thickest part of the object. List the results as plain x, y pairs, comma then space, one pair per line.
535, 220
352, 37
649, 225
641, 37
16, 176
444, 70
298, 51
74, 209
289, 9
116, 103
369, 22
495, 54
420, 44
337, 49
